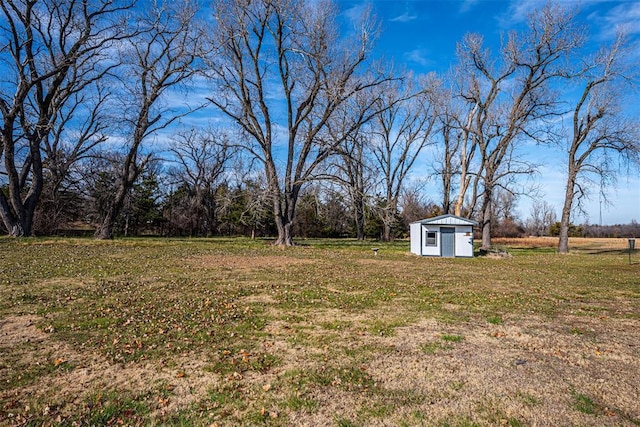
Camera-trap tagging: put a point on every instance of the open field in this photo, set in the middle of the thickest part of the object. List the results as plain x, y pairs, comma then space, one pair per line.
233, 332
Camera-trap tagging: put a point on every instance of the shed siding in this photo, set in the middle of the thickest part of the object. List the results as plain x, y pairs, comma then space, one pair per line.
430, 250
464, 243
463, 236
416, 239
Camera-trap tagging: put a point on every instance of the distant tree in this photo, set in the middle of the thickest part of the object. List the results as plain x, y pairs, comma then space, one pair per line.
505, 215
142, 210
201, 158
77, 135
414, 207
541, 216
600, 128
352, 168
308, 222
574, 230
245, 209
335, 215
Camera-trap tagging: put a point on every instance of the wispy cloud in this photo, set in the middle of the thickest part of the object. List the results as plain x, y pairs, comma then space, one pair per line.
405, 17
622, 18
467, 5
517, 12
418, 56
355, 12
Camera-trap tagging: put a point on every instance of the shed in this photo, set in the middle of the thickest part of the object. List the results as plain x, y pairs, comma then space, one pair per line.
443, 236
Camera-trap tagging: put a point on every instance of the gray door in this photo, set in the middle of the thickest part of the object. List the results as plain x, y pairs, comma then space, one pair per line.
447, 241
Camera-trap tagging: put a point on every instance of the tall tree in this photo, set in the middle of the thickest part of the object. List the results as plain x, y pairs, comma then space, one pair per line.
282, 71
600, 129
352, 166
400, 133
161, 57
510, 95
51, 51
455, 150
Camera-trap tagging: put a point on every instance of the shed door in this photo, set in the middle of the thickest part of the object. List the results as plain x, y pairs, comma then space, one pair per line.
447, 237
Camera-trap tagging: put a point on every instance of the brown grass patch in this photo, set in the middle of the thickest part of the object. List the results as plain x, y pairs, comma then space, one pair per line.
245, 263
578, 243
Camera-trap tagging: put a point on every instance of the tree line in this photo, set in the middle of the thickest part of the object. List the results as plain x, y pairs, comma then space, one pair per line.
307, 132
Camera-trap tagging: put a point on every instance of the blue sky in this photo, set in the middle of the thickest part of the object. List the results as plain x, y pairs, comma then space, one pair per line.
422, 35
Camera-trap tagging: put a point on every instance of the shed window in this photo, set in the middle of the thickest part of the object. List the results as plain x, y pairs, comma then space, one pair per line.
431, 238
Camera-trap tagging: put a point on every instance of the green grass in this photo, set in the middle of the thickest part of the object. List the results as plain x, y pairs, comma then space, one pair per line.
585, 404
309, 321
451, 338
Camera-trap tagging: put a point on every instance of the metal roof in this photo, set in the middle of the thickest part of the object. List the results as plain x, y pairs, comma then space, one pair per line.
447, 219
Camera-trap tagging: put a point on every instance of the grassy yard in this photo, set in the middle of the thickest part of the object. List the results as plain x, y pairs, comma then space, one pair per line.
230, 332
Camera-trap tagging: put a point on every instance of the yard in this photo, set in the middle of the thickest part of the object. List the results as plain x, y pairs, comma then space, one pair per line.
230, 332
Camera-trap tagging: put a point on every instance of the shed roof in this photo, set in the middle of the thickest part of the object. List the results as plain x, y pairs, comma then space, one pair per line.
447, 219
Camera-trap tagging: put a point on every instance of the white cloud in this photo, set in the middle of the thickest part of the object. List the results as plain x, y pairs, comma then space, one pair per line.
418, 56
517, 12
625, 17
467, 5
355, 12
405, 17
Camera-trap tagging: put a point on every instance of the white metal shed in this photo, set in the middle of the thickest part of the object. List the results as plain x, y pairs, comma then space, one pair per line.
443, 236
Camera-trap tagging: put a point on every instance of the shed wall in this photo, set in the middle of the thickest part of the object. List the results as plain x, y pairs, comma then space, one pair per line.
416, 240
463, 240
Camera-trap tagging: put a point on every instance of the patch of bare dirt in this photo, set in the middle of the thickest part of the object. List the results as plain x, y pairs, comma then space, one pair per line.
527, 369
530, 370
381, 262
259, 299
19, 329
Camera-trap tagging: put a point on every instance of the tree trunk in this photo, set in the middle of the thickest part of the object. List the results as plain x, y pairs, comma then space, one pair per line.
105, 230
565, 220
387, 235
358, 214
446, 190
284, 212
486, 218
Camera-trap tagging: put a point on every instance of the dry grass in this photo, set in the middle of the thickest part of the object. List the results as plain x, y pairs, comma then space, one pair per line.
575, 243
234, 332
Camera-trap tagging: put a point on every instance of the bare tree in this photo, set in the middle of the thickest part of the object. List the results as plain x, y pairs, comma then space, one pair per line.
202, 158
76, 135
510, 98
401, 131
541, 217
352, 167
282, 71
455, 149
600, 130
160, 58
51, 51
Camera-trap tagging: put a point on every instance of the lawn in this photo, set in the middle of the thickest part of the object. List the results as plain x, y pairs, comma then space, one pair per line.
230, 332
